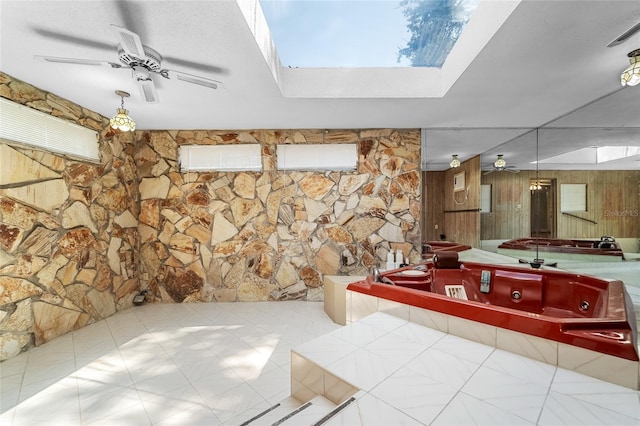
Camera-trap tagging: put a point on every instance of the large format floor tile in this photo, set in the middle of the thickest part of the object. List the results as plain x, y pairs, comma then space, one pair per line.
222, 363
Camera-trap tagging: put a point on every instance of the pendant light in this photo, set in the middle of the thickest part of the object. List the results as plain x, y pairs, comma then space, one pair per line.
631, 75
121, 121
500, 162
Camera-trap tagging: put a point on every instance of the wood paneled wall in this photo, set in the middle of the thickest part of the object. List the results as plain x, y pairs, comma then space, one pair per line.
613, 201
453, 214
432, 206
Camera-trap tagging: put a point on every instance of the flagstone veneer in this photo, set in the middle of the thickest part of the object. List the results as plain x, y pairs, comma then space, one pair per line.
78, 240
58, 219
271, 235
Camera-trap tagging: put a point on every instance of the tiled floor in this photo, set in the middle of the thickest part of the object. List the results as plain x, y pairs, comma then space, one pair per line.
212, 364
416, 375
191, 364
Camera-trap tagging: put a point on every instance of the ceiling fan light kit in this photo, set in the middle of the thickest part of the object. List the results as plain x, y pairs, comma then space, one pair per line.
631, 75
499, 165
143, 61
121, 121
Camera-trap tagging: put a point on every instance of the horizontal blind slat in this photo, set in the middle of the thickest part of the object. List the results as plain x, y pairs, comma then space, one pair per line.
31, 127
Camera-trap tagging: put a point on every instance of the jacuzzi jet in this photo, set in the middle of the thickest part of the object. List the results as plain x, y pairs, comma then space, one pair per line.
584, 305
516, 295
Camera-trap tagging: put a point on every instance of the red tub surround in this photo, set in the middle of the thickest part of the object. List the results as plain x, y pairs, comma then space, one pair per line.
605, 246
438, 246
575, 309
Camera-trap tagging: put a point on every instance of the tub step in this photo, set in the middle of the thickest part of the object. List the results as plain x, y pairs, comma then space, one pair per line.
290, 412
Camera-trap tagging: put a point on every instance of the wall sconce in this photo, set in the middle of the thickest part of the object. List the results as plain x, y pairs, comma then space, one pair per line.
500, 162
631, 75
454, 161
121, 121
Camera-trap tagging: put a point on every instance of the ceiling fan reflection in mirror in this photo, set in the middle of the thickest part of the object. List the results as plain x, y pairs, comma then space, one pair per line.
500, 165
143, 62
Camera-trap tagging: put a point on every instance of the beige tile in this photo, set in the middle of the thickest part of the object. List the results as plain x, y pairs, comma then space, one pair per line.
612, 369
340, 307
301, 392
329, 289
335, 298
306, 377
472, 330
534, 347
362, 305
396, 309
428, 318
337, 390
308, 380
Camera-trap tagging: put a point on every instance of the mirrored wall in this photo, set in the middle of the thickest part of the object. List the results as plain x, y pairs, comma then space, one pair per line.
577, 177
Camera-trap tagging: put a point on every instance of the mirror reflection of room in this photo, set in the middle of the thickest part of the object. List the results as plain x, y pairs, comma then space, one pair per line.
572, 183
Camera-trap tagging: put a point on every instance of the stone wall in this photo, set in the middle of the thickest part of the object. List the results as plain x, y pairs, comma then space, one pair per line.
68, 230
272, 235
79, 239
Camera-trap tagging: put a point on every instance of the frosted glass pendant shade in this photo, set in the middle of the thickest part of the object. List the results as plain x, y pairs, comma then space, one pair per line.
500, 163
121, 121
631, 75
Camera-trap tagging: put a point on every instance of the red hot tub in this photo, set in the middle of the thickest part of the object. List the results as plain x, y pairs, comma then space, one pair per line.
605, 248
575, 309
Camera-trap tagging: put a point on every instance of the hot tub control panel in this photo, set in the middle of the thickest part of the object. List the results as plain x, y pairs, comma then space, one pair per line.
485, 281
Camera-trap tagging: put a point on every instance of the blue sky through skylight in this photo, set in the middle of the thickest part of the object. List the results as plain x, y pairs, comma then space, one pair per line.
356, 33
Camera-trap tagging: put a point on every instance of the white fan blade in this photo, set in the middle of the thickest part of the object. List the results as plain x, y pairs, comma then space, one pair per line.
129, 41
76, 61
190, 78
148, 91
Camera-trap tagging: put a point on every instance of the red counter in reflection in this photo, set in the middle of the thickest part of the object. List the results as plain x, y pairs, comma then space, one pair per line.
575, 309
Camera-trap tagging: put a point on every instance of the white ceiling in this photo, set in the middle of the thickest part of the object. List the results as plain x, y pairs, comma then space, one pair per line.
546, 61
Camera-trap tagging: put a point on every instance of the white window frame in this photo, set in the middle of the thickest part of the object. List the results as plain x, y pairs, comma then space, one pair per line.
333, 157
485, 198
33, 128
573, 197
220, 158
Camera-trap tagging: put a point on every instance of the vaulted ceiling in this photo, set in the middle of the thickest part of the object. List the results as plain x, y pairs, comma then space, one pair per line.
522, 65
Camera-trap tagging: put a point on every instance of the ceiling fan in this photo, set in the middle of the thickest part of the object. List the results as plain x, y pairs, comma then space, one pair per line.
500, 165
143, 62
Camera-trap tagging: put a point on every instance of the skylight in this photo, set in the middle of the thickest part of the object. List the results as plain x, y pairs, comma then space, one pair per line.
595, 155
361, 79
365, 33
